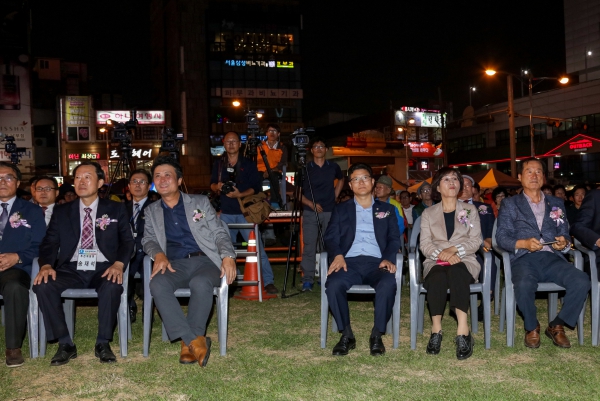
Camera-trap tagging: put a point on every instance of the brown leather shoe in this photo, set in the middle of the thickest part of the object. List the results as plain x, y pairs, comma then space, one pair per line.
186, 356
532, 338
14, 358
557, 334
200, 349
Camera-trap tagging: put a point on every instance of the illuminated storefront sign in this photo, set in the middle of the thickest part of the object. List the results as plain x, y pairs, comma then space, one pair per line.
581, 145
77, 111
429, 118
262, 63
425, 149
144, 117
82, 156
258, 93
138, 153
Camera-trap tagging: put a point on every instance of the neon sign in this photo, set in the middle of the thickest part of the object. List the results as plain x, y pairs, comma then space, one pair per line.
581, 146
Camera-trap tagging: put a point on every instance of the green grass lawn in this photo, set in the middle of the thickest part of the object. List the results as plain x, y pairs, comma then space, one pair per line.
274, 354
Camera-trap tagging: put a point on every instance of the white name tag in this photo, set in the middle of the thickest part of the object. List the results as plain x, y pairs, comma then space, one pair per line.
86, 259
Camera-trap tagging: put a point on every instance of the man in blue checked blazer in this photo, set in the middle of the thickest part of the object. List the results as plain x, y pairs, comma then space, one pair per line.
526, 223
22, 228
362, 240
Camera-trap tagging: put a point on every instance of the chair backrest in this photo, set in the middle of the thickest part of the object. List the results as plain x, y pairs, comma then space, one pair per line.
494, 243
414, 235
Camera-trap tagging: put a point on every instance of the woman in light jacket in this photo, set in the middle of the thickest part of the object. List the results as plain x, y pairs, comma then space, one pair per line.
450, 237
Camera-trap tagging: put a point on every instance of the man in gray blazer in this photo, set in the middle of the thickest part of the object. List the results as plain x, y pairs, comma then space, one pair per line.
190, 249
533, 228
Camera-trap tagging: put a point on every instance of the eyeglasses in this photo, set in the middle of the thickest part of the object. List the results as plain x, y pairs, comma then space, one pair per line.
272, 131
318, 147
231, 142
364, 178
426, 191
138, 182
8, 178
44, 189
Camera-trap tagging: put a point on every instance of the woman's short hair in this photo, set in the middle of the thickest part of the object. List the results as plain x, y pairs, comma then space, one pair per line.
499, 190
441, 173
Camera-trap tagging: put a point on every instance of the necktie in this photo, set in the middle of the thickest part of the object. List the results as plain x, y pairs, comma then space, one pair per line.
44, 208
3, 218
87, 231
135, 216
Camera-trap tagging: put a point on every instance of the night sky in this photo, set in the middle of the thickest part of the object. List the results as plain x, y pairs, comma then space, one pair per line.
356, 56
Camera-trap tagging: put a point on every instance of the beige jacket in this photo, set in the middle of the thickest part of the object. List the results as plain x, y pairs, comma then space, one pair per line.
467, 238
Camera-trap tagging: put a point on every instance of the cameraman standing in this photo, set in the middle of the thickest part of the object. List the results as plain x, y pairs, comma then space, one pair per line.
240, 178
322, 174
277, 155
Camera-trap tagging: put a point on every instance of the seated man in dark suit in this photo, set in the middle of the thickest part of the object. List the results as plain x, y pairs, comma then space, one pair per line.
362, 239
191, 249
586, 227
533, 228
22, 228
88, 244
139, 184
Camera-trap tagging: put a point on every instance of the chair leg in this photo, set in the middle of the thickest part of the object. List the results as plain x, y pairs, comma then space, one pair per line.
324, 316
487, 311
222, 305
148, 305
32, 325
474, 321
396, 320
497, 288
552, 305
414, 318
42, 334
502, 311
595, 301
421, 314
511, 310
580, 325
124, 324
69, 310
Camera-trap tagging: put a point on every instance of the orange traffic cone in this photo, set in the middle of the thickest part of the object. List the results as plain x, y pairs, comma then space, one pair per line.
250, 292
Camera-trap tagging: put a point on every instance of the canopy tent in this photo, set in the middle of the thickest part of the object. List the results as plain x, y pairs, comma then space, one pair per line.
416, 186
495, 178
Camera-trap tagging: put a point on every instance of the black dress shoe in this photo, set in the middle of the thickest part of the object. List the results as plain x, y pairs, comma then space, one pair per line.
64, 354
435, 343
464, 346
103, 351
344, 345
376, 346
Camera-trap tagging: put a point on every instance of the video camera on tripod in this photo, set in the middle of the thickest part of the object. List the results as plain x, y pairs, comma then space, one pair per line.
11, 148
170, 142
122, 134
300, 140
252, 130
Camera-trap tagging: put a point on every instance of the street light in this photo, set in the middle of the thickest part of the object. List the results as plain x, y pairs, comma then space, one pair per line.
471, 89
562, 80
511, 121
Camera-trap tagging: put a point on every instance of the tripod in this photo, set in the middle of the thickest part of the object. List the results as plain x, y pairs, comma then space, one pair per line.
297, 210
123, 167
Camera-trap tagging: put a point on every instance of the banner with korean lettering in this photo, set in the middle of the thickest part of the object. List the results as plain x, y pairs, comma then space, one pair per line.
15, 109
144, 117
77, 111
136, 153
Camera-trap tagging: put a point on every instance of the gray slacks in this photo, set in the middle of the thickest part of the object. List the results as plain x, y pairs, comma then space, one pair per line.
200, 275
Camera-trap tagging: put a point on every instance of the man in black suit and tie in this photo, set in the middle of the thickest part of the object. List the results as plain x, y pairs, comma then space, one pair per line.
362, 239
88, 244
139, 184
22, 228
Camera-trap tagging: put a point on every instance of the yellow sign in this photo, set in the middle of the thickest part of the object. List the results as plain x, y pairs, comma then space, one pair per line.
77, 111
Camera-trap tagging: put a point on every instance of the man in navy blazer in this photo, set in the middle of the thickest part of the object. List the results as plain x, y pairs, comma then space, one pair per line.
533, 228
88, 244
22, 228
586, 227
363, 239
139, 184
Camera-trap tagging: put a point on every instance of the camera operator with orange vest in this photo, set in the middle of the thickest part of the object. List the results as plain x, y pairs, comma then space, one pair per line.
277, 156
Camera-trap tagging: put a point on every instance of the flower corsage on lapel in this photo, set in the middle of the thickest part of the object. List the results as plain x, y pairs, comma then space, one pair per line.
463, 217
557, 215
104, 222
382, 215
483, 209
198, 214
17, 220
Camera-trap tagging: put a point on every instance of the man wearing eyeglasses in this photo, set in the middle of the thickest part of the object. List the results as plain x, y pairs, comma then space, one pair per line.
362, 241
323, 188
277, 155
22, 229
45, 192
139, 185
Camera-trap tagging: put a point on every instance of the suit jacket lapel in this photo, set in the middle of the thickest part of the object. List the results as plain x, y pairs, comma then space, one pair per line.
526, 209
75, 219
